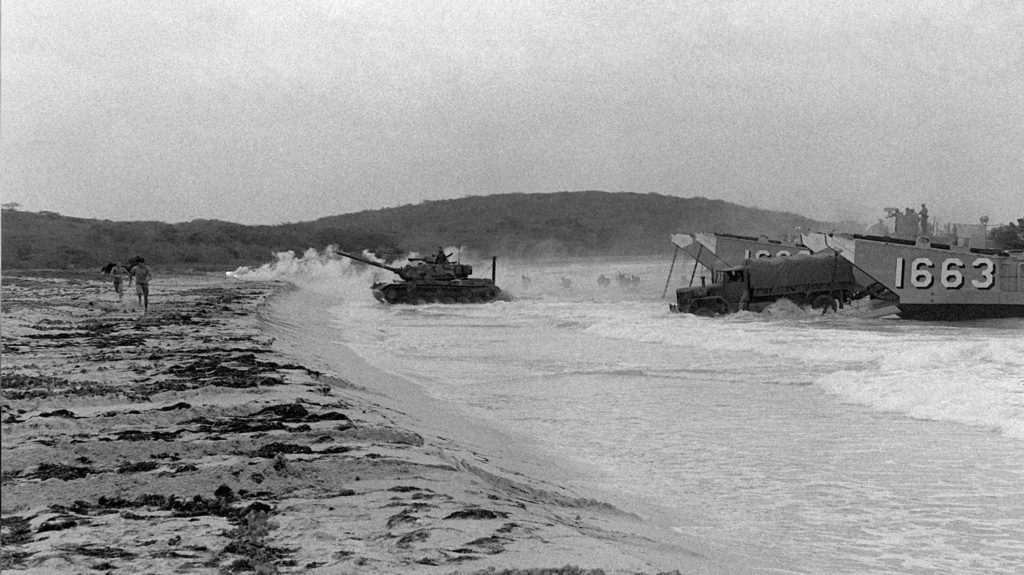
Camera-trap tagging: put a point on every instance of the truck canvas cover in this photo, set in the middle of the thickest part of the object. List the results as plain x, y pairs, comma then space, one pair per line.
813, 272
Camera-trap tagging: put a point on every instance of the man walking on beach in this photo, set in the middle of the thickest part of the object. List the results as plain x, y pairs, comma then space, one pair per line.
141, 274
119, 273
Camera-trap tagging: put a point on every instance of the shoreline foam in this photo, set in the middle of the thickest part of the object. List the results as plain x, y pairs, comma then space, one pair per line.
186, 440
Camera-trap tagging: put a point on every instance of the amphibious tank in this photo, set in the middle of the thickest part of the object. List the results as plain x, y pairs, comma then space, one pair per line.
432, 279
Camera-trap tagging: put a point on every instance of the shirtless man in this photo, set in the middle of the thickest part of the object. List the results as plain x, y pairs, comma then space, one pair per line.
141, 274
119, 274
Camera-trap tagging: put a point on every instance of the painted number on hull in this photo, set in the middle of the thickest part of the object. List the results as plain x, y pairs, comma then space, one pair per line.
767, 254
923, 273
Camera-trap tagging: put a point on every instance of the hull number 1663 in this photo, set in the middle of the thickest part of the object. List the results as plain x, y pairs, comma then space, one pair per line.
923, 273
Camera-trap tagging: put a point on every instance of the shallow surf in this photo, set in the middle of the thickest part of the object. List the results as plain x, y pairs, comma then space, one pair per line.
813, 444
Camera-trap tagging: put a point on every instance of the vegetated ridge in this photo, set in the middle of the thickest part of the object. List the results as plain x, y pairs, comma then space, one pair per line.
563, 224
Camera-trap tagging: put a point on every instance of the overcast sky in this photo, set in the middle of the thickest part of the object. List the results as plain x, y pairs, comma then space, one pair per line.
274, 111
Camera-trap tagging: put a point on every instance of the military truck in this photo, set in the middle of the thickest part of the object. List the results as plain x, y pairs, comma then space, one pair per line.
816, 280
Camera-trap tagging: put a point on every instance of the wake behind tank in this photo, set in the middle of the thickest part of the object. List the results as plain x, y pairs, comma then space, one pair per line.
433, 279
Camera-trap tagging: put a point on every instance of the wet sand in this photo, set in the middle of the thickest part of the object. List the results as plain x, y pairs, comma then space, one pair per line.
220, 432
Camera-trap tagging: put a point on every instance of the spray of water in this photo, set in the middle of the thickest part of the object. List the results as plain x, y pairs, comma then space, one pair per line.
323, 272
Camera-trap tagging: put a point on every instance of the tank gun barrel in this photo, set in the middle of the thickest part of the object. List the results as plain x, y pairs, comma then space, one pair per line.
372, 263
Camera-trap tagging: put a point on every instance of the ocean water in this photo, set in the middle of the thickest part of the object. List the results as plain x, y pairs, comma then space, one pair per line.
815, 444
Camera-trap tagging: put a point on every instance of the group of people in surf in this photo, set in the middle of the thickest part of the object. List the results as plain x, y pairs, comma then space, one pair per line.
623, 280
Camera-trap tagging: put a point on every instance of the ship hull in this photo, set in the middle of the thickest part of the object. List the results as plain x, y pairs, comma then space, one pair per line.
936, 282
958, 312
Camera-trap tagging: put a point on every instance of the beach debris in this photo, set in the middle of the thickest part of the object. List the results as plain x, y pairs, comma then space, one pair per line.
59, 471
287, 412
99, 551
477, 513
15, 530
402, 517
491, 545
408, 539
404, 488
249, 541
272, 450
224, 493
57, 523
139, 435
219, 506
139, 467
335, 449
227, 370
566, 570
385, 435
59, 413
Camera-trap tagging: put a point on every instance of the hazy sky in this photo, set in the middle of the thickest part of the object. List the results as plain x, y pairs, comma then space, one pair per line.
272, 111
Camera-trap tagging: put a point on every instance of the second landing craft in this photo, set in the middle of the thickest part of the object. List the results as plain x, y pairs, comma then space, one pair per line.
717, 251
750, 273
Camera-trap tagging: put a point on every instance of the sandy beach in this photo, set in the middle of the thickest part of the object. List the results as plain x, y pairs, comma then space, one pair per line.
213, 435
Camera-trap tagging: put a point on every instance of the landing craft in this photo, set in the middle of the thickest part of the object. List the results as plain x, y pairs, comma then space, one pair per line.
719, 251
935, 281
716, 251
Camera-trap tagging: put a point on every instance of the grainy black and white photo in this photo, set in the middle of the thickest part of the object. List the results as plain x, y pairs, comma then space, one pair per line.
472, 287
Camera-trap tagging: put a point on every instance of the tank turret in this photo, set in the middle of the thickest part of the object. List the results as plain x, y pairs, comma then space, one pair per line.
432, 279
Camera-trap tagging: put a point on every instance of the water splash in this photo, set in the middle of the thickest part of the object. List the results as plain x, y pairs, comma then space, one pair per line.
322, 272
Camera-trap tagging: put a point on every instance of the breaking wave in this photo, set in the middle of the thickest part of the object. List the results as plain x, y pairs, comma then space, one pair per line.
977, 383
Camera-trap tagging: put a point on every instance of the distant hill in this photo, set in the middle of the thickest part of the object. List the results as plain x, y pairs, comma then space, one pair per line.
563, 223
589, 223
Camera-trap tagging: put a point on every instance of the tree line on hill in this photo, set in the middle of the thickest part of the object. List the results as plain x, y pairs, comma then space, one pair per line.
521, 226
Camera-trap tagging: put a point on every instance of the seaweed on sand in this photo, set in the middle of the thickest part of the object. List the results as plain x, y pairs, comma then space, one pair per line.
271, 450
249, 541
477, 513
58, 471
567, 570
98, 551
15, 531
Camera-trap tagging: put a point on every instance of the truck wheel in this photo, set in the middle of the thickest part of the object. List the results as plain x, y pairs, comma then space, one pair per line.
704, 311
823, 301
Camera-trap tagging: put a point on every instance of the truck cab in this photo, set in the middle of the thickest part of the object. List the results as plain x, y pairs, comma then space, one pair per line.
726, 294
